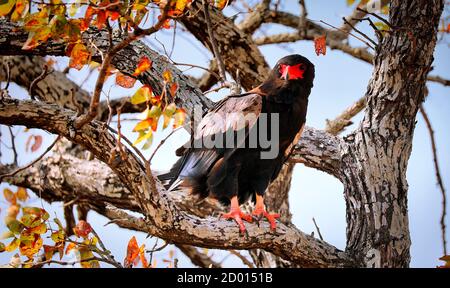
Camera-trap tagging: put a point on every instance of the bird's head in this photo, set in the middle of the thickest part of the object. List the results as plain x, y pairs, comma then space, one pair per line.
294, 69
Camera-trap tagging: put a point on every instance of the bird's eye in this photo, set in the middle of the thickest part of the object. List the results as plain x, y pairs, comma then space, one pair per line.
302, 66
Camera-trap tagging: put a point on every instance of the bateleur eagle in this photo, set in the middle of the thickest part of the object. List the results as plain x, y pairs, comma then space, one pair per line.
234, 173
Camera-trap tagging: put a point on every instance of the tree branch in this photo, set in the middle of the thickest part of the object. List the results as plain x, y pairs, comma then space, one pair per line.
164, 220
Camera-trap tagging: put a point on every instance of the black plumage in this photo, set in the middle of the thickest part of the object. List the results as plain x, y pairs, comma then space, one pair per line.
226, 172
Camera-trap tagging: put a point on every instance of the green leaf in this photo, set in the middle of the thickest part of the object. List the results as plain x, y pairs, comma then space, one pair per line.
60, 226
2, 247
36, 211
14, 225
155, 112
58, 236
148, 143
30, 220
382, 26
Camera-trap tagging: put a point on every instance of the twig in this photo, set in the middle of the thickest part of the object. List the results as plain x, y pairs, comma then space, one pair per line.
213, 42
361, 33
349, 33
33, 84
13, 145
376, 16
32, 163
154, 249
65, 263
438, 176
162, 143
243, 259
317, 228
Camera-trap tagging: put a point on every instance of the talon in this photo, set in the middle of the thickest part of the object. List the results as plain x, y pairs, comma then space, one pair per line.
260, 212
237, 215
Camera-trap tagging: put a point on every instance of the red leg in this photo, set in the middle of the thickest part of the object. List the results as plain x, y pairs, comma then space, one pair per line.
260, 211
237, 215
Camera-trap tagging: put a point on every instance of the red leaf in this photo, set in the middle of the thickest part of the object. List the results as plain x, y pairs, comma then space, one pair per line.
132, 253
320, 44
125, 81
143, 65
82, 229
36, 144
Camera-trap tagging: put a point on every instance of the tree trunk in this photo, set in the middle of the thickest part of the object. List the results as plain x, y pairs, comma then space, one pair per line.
376, 155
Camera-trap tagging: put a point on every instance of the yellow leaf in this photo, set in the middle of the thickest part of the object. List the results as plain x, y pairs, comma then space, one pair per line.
167, 75
22, 194
142, 95
6, 7
73, 9
22, 8
13, 245
30, 248
143, 125
143, 136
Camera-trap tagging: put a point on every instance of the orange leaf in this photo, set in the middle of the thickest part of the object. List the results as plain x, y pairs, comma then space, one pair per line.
13, 211
82, 229
320, 44
173, 89
22, 194
446, 259
166, 24
167, 75
79, 56
143, 65
30, 247
70, 247
142, 256
125, 81
10, 196
132, 253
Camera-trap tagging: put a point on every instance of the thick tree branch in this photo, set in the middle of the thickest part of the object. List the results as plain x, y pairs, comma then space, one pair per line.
163, 218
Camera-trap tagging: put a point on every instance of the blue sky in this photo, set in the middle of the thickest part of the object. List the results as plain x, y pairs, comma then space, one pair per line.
340, 80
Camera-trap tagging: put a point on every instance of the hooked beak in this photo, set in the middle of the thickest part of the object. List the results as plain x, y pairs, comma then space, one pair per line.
285, 74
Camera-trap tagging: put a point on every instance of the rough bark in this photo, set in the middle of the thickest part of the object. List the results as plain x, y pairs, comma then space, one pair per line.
376, 155
371, 162
237, 49
162, 217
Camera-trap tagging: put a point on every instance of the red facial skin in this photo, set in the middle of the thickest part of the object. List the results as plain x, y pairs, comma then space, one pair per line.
291, 72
